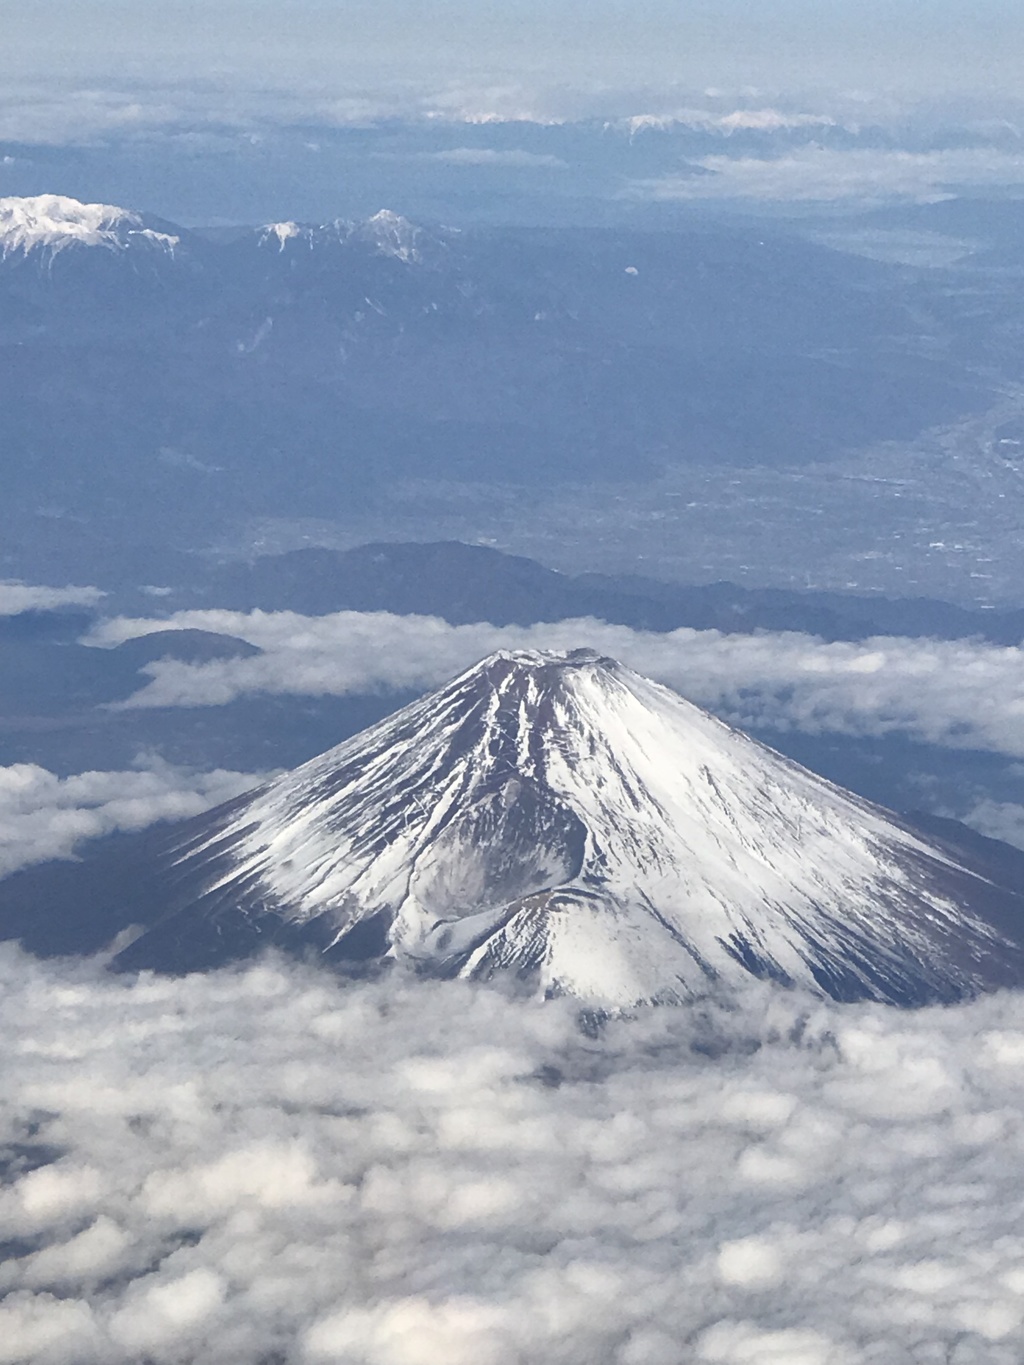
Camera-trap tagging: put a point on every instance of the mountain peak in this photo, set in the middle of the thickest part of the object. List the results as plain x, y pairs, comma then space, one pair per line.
561, 817
545, 662
388, 233
551, 658
54, 222
391, 235
282, 233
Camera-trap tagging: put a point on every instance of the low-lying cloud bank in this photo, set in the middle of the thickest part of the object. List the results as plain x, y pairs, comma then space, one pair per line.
270, 1165
513, 158
960, 693
998, 819
44, 816
16, 597
829, 174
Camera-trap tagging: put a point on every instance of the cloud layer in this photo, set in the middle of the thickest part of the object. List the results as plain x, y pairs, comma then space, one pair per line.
762, 120
510, 158
43, 816
18, 597
960, 693
826, 174
998, 820
268, 1164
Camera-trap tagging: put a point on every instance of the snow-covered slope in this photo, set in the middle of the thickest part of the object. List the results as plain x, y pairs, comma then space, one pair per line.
390, 235
53, 222
386, 233
563, 818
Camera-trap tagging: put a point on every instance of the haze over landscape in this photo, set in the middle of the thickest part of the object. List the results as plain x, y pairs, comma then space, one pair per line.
511, 683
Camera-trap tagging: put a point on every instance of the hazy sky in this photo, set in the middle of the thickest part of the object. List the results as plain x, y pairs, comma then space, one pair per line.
236, 110
928, 47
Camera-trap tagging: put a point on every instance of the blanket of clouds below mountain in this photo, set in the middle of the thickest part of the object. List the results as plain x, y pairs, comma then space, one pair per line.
272, 1165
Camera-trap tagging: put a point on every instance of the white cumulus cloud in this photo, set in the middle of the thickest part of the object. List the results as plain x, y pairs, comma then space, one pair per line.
269, 1164
16, 597
44, 816
825, 174
953, 692
998, 820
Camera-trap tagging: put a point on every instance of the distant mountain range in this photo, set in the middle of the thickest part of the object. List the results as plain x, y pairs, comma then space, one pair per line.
558, 819
44, 226
159, 383
467, 583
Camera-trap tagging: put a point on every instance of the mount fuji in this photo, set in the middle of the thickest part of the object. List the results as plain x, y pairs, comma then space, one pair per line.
562, 819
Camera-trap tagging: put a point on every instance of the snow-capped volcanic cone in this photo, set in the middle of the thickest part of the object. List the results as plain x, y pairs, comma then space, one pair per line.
562, 818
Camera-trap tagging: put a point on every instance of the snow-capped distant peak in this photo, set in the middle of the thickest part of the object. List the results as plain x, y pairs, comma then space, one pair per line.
391, 235
53, 222
283, 232
386, 233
